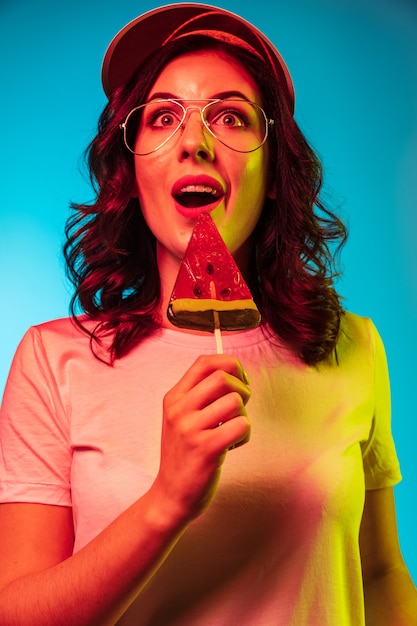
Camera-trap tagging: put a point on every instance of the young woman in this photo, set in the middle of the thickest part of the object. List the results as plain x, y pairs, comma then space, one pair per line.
146, 479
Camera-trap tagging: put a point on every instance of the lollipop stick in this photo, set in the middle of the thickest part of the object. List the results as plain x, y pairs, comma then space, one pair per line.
217, 333
216, 320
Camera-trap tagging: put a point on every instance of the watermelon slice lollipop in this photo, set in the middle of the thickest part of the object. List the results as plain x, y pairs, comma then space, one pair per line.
210, 293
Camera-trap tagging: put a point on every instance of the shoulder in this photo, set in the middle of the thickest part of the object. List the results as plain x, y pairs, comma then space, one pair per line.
358, 329
52, 339
354, 324
359, 337
53, 331
63, 329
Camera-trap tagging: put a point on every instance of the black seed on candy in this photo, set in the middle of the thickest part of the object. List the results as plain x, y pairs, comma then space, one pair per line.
225, 292
209, 268
197, 291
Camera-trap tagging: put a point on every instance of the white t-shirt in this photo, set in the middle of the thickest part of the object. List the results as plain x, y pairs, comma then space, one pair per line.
279, 544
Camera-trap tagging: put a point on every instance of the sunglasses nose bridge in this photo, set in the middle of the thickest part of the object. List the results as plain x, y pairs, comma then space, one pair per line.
187, 114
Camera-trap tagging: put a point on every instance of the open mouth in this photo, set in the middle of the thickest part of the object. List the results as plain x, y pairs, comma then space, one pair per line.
195, 196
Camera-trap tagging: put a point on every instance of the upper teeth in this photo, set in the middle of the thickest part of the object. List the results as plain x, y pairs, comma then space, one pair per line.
199, 189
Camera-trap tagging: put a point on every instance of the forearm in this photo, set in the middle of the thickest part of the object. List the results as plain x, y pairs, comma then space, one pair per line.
391, 599
96, 585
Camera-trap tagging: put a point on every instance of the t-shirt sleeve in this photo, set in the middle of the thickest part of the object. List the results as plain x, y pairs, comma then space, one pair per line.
35, 450
380, 461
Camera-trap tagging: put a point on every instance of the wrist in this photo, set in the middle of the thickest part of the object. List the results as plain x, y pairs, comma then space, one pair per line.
164, 514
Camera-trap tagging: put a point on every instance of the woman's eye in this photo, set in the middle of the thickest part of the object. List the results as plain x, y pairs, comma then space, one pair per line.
163, 118
232, 119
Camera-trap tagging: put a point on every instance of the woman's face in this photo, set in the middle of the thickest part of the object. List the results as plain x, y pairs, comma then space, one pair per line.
195, 161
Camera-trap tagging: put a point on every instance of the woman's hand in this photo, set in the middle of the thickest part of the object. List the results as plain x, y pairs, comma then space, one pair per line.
98, 583
204, 415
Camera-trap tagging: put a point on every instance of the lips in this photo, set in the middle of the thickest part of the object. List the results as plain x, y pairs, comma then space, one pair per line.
196, 192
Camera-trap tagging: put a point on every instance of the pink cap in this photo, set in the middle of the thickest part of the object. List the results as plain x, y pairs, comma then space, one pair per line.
154, 29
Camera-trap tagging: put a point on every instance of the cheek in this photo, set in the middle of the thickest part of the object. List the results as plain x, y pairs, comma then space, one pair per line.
139, 178
149, 169
247, 205
146, 194
253, 184
256, 167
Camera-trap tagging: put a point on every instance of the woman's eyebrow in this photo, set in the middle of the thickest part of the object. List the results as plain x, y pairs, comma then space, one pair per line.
219, 95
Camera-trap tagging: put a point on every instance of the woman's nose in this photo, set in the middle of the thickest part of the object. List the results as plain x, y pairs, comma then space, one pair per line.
195, 140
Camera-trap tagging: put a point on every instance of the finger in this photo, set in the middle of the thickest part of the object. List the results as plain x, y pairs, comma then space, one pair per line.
217, 385
222, 410
232, 433
206, 365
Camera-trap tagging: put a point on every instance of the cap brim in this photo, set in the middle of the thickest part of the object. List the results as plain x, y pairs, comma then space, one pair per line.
150, 31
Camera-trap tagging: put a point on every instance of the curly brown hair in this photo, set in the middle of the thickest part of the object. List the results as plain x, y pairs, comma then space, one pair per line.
110, 251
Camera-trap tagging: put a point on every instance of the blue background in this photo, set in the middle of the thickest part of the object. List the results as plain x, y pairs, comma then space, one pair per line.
354, 65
